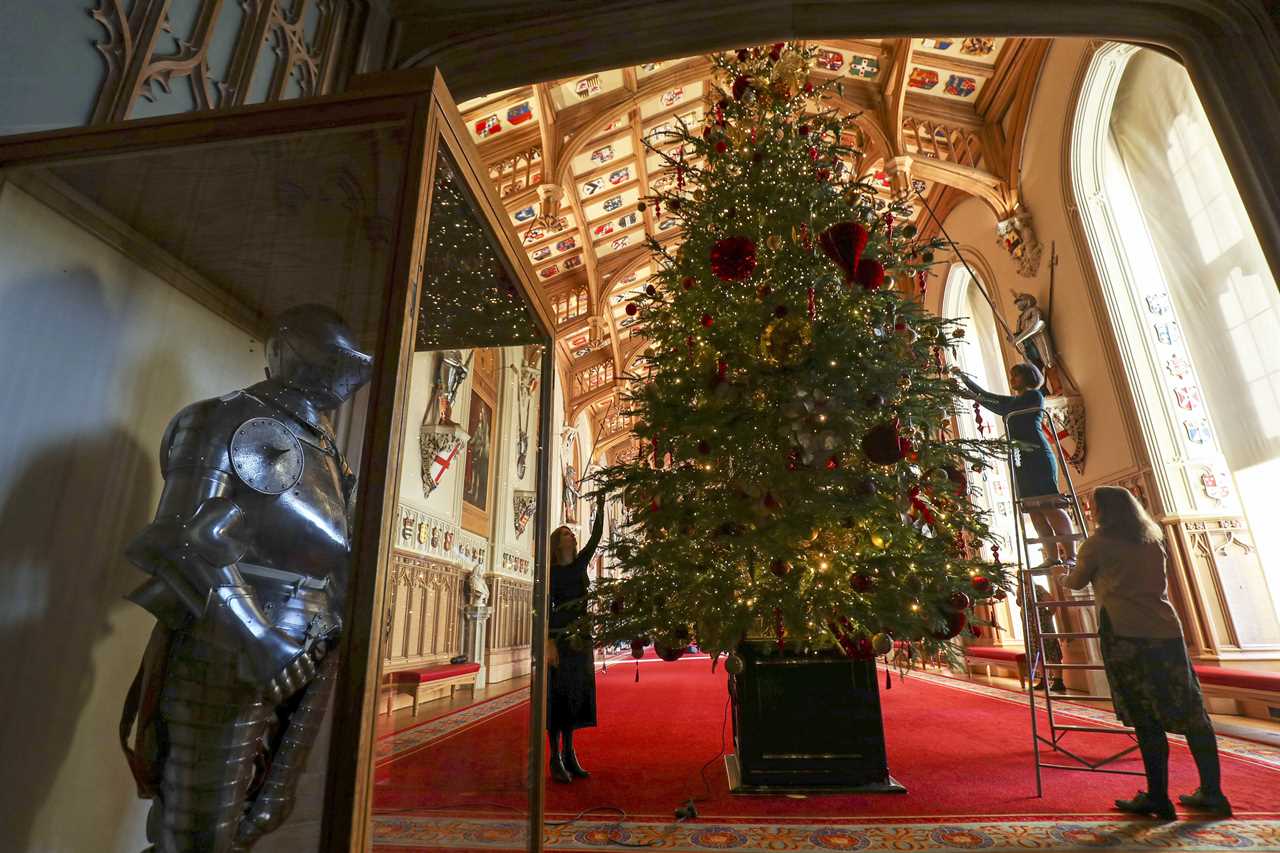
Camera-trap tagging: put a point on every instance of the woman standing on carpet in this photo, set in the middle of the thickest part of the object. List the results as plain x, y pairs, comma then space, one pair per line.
1035, 469
571, 685
1153, 687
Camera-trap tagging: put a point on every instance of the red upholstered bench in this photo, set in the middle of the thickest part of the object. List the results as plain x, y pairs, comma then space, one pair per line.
451, 675
1244, 684
999, 655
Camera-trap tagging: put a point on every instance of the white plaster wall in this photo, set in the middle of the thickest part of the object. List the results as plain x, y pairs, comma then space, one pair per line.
98, 355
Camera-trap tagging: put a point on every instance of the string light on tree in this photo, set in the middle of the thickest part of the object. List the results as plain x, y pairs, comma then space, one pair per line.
803, 494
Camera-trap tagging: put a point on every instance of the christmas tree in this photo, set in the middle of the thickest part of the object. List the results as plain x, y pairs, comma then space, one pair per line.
795, 479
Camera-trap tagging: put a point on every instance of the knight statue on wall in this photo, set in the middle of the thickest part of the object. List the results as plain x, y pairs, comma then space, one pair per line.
249, 555
440, 437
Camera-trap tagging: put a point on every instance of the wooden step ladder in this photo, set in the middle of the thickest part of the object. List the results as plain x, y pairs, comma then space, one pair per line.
1033, 606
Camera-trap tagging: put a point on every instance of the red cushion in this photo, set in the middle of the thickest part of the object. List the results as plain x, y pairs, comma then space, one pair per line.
432, 673
995, 653
1248, 679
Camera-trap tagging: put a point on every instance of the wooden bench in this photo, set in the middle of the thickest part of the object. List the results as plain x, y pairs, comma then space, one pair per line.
1242, 685
450, 675
1011, 658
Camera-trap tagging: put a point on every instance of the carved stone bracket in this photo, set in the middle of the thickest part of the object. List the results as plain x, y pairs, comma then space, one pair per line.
439, 445
1017, 236
1067, 419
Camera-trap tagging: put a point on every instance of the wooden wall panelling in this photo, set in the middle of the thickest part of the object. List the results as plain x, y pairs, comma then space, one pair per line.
426, 607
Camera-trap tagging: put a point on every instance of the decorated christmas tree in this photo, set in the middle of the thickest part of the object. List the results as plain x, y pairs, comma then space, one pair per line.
795, 479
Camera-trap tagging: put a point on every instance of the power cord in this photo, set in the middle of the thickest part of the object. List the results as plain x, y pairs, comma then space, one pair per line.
689, 810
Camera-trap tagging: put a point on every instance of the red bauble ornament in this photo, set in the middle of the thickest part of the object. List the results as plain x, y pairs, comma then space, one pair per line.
743, 55
688, 282
740, 85
780, 567
975, 631
707, 320
833, 463
808, 88
771, 502
861, 582
869, 274
813, 153
882, 444
721, 147
651, 290
733, 258
632, 309
982, 584
637, 647
803, 130
956, 621
844, 243
959, 601
775, 52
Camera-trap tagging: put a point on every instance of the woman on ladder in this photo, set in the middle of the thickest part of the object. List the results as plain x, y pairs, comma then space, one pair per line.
1035, 469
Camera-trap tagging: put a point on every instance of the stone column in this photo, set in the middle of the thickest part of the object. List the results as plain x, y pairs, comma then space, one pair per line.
473, 638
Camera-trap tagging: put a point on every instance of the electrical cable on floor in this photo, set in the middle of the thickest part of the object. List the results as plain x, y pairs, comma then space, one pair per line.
689, 810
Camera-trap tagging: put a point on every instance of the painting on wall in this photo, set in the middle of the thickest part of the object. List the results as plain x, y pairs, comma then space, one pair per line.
475, 489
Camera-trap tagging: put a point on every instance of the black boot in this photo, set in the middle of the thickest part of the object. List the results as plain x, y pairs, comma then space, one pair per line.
558, 771
570, 759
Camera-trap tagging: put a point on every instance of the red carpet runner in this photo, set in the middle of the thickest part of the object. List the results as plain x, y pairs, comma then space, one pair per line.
962, 750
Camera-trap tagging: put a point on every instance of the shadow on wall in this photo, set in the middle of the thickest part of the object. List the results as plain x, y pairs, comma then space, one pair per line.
75, 485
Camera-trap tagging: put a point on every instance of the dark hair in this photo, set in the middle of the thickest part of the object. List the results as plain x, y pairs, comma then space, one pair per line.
562, 530
1120, 516
1029, 374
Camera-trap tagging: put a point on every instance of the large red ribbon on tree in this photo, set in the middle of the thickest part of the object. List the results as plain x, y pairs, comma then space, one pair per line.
844, 244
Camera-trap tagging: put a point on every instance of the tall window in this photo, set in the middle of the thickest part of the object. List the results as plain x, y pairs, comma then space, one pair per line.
1191, 295
980, 356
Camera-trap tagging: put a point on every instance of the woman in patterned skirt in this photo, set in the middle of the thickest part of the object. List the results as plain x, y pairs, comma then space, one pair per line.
1153, 687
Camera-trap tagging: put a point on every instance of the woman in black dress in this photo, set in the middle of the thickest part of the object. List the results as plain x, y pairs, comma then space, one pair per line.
571, 684
1035, 470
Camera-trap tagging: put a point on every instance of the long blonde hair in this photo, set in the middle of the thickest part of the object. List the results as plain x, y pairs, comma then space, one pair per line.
1121, 516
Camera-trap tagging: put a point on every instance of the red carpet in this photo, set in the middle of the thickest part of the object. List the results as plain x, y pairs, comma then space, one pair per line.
962, 755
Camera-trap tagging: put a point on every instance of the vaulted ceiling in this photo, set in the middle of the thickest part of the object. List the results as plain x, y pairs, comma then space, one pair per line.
940, 119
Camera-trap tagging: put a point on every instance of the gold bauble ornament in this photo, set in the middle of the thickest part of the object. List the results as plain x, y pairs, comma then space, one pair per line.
882, 538
734, 665
774, 242
882, 643
786, 340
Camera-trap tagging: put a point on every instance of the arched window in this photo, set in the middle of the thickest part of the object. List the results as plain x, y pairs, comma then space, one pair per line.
1192, 300
980, 356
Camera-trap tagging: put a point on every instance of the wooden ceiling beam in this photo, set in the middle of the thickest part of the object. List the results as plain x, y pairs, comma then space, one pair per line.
895, 94
955, 64
579, 403
976, 182
588, 129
